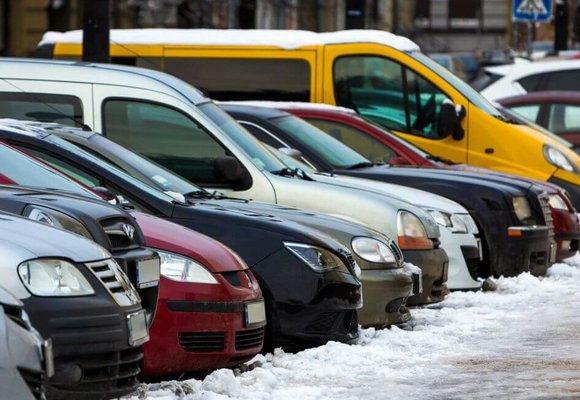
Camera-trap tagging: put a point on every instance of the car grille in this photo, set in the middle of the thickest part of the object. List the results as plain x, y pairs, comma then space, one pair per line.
249, 338
34, 381
122, 234
116, 282
202, 341
545, 203
396, 251
323, 322
350, 322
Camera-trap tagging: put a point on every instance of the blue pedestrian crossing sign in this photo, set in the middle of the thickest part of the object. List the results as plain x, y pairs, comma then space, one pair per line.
532, 10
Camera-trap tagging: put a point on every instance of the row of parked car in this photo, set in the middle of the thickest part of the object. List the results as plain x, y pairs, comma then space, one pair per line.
201, 233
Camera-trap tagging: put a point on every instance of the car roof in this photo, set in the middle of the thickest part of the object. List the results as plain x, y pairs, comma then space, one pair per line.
286, 39
291, 105
84, 72
257, 111
543, 97
521, 69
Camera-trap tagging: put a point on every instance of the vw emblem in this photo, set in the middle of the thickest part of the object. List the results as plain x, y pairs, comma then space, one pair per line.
129, 231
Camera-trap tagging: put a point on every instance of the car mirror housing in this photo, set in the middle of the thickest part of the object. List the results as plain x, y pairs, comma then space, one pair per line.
229, 170
449, 123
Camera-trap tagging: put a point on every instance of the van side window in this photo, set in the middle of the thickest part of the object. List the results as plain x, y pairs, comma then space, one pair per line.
564, 117
42, 107
528, 111
165, 136
359, 141
389, 94
245, 78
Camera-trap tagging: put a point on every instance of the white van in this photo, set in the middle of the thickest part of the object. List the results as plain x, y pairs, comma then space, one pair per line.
168, 120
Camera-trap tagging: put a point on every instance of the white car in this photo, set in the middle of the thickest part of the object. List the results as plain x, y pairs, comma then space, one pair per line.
523, 77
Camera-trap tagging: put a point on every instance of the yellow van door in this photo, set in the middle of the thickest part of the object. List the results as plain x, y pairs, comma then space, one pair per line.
393, 90
255, 73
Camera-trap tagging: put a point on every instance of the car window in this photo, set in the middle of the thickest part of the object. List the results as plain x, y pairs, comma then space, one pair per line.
563, 80
384, 91
531, 83
63, 109
357, 140
564, 117
528, 111
164, 135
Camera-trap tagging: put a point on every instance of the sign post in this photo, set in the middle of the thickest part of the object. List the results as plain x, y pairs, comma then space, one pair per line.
530, 12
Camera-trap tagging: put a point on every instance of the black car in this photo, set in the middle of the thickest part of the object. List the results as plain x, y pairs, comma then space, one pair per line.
307, 278
108, 225
513, 216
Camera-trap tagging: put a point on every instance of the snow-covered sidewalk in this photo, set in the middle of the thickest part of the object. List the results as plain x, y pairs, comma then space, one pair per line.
520, 342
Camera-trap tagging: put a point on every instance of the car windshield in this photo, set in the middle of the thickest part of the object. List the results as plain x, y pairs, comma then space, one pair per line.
27, 171
473, 96
259, 155
69, 147
324, 146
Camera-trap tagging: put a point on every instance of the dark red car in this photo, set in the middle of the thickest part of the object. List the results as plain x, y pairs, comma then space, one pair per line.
379, 145
559, 112
205, 289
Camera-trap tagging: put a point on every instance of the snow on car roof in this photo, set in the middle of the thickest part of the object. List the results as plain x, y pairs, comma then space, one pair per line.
286, 39
290, 105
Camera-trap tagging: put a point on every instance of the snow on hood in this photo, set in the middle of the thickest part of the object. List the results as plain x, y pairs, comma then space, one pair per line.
286, 39
518, 342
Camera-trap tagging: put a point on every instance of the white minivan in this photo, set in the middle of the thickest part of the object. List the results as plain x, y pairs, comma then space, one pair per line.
171, 122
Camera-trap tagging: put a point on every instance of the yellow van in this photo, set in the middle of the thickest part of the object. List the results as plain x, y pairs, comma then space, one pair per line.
383, 76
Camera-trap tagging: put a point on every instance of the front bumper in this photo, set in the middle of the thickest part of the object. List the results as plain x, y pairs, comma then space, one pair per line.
464, 252
530, 250
385, 296
90, 339
434, 265
567, 233
199, 327
305, 307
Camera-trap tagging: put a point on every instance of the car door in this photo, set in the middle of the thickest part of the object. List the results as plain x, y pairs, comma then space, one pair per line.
173, 134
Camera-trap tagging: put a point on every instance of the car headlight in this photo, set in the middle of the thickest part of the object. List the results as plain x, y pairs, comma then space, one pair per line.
411, 232
53, 278
183, 269
457, 223
372, 250
558, 159
557, 202
317, 258
57, 219
522, 208
441, 218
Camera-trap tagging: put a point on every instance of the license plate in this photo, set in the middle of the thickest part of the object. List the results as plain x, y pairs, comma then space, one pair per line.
254, 313
48, 358
148, 273
137, 325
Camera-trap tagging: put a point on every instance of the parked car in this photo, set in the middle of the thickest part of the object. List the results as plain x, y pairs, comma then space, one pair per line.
521, 78
452, 63
307, 278
381, 146
199, 278
79, 297
513, 230
374, 72
109, 226
25, 358
557, 111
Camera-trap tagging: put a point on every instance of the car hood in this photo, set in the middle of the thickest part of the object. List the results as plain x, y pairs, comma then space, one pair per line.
420, 198
168, 236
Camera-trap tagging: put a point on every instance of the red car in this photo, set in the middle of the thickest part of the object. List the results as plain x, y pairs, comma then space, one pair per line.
379, 145
205, 289
559, 112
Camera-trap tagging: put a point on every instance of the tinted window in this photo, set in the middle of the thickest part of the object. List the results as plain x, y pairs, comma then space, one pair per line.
245, 78
164, 135
563, 80
564, 117
41, 107
531, 83
359, 141
528, 111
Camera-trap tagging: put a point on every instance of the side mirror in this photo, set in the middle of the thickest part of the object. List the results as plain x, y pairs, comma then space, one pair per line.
449, 123
109, 196
228, 170
290, 152
398, 160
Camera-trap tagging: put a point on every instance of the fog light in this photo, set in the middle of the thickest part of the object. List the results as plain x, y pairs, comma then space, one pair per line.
70, 374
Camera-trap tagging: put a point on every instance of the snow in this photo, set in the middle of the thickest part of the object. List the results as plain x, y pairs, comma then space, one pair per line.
518, 342
286, 39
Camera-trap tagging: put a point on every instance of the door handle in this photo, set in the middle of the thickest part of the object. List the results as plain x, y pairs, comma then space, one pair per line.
489, 150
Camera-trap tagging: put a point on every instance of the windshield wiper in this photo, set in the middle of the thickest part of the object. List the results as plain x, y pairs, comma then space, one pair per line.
364, 164
215, 195
284, 172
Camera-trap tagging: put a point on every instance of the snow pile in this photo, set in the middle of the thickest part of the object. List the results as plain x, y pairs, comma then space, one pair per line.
518, 342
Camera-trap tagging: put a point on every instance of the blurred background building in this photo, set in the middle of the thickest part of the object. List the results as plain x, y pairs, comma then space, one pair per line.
437, 25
